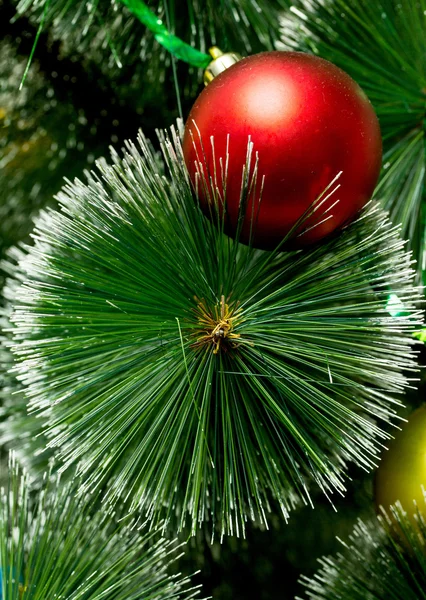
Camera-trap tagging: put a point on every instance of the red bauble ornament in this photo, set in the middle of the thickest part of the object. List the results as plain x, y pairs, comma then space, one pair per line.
308, 120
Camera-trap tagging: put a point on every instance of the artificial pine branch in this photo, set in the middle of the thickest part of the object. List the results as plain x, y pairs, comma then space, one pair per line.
53, 544
384, 559
19, 431
44, 135
122, 330
109, 32
382, 45
22, 138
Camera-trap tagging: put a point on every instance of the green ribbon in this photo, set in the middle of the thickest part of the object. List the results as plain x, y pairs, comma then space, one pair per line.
172, 43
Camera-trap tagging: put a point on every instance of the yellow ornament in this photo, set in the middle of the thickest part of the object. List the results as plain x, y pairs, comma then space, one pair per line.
402, 471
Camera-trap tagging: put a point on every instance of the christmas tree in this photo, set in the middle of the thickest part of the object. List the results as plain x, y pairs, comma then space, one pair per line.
212, 317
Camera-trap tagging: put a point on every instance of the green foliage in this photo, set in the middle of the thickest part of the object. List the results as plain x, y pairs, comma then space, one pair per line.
109, 34
54, 545
247, 22
382, 45
19, 430
23, 143
117, 353
42, 138
384, 559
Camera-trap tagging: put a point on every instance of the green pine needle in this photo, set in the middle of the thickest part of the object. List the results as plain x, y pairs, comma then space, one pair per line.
196, 377
109, 29
382, 45
53, 544
43, 137
385, 559
19, 430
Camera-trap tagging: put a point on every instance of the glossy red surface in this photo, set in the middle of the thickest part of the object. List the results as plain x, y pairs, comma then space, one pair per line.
308, 120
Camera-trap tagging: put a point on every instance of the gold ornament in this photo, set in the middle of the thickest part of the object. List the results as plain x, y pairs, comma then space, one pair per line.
221, 61
402, 472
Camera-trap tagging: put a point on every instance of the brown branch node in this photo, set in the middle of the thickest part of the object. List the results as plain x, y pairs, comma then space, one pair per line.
216, 327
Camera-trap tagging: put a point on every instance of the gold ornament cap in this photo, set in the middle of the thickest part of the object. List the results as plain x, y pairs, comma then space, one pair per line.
221, 61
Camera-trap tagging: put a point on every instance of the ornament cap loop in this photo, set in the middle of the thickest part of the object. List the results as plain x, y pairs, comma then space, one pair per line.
221, 61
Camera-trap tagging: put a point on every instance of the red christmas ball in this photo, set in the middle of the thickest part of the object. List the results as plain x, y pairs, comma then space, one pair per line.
308, 120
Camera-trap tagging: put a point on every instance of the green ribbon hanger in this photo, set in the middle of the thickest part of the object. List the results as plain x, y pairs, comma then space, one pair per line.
172, 43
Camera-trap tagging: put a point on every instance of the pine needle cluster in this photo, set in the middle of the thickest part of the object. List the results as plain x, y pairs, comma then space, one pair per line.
384, 558
382, 45
19, 431
42, 138
110, 35
54, 544
22, 138
196, 377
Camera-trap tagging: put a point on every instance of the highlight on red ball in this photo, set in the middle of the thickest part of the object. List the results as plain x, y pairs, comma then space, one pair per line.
283, 146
